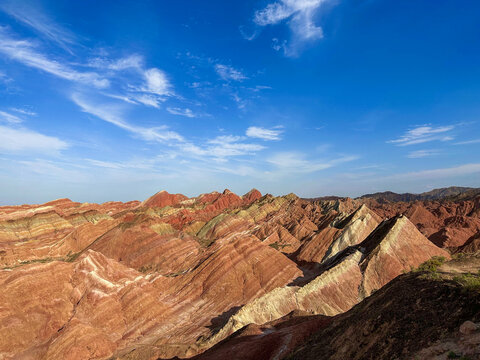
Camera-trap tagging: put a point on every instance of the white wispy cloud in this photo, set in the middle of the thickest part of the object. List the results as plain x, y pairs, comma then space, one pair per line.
146, 86
227, 72
149, 87
24, 111
300, 17
25, 52
4, 78
241, 103
154, 89
222, 139
137, 164
296, 162
422, 153
148, 100
248, 34
263, 133
138, 98
55, 170
114, 115
21, 140
219, 148
40, 22
125, 98
261, 87
423, 134
133, 61
181, 112
468, 142
465, 169
9, 117
105, 164
278, 45
156, 82
222, 147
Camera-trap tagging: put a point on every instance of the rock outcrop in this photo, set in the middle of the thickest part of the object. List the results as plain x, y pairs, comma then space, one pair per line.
175, 276
345, 279
448, 224
162, 199
405, 319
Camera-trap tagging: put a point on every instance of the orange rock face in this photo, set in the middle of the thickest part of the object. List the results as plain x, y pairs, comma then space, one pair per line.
173, 276
448, 224
162, 199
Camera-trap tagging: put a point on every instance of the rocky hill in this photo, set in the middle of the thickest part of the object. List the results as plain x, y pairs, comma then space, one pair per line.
435, 194
430, 313
173, 276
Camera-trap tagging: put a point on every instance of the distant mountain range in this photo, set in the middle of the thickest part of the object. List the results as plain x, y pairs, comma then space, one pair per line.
452, 192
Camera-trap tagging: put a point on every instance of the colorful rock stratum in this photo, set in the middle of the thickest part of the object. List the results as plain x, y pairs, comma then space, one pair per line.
222, 276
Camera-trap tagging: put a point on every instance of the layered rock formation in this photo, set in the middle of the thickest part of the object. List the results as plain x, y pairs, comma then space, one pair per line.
174, 276
403, 320
448, 223
344, 279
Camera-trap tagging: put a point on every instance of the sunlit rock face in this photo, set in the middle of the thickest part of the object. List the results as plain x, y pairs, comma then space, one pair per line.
173, 276
450, 223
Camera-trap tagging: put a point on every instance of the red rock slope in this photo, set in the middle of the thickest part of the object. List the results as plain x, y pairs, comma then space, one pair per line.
173, 276
403, 320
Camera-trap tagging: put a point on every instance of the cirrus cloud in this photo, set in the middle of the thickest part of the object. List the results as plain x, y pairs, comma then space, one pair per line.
25, 52
227, 72
422, 134
22, 140
263, 133
300, 17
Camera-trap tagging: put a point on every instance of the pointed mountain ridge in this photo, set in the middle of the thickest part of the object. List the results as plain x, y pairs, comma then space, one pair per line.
162, 199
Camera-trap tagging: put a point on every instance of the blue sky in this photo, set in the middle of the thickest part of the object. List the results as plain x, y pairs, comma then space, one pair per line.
116, 100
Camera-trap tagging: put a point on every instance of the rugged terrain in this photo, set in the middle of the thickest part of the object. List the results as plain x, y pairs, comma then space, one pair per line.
425, 314
228, 276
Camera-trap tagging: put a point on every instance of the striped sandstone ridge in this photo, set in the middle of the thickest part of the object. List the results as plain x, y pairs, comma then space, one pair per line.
184, 270
403, 320
349, 276
332, 239
199, 284
94, 306
29, 233
447, 223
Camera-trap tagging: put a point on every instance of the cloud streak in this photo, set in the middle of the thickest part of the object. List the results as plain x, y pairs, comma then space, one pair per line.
13, 119
21, 140
423, 134
468, 142
296, 162
25, 52
222, 147
38, 21
24, 111
181, 112
156, 82
422, 154
228, 73
263, 133
113, 115
299, 14
466, 169
152, 86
